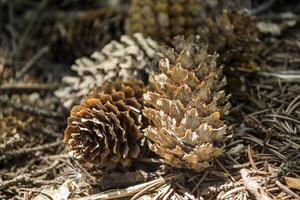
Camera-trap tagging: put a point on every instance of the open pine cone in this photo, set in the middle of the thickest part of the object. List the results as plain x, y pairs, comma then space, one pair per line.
185, 108
106, 127
128, 59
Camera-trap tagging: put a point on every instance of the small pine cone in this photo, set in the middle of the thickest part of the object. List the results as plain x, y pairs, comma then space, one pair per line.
185, 106
128, 59
164, 19
233, 35
106, 127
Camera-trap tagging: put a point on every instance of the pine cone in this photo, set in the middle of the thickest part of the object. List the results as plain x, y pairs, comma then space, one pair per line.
93, 30
185, 108
106, 127
233, 35
80, 33
130, 58
164, 19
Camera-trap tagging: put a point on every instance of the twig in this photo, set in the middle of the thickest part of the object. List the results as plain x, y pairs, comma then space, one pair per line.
146, 189
259, 142
58, 156
31, 62
289, 76
10, 26
151, 160
27, 87
44, 170
117, 180
253, 186
224, 169
20, 152
18, 179
31, 110
278, 17
21, 43
231, 192
262, 7
251, 158
37, 128
130, 191
287, 190
284, 117
200, 181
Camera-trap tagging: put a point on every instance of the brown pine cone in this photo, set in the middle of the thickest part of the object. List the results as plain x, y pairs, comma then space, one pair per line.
92, 30
106, 127
233, 35
130, 58
164, 19
185, 108
82, 32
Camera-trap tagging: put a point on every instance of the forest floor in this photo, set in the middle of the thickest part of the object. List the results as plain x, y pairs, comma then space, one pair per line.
262, 159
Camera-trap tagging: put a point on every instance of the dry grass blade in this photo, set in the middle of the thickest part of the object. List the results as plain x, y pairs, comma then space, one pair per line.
287, 190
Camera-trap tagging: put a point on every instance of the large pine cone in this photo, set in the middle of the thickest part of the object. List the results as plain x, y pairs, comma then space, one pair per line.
185, 108
128, 59
106, 127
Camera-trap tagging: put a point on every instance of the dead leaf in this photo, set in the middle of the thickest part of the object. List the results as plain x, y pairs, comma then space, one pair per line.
292, 182
61, 193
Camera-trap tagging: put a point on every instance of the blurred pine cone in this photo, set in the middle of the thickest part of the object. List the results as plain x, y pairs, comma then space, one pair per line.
80, 33
130, 58
233, 35
92, 30
164, 19
106, 127
185, 107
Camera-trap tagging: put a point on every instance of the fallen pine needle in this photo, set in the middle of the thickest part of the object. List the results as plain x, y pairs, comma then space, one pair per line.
131, 191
